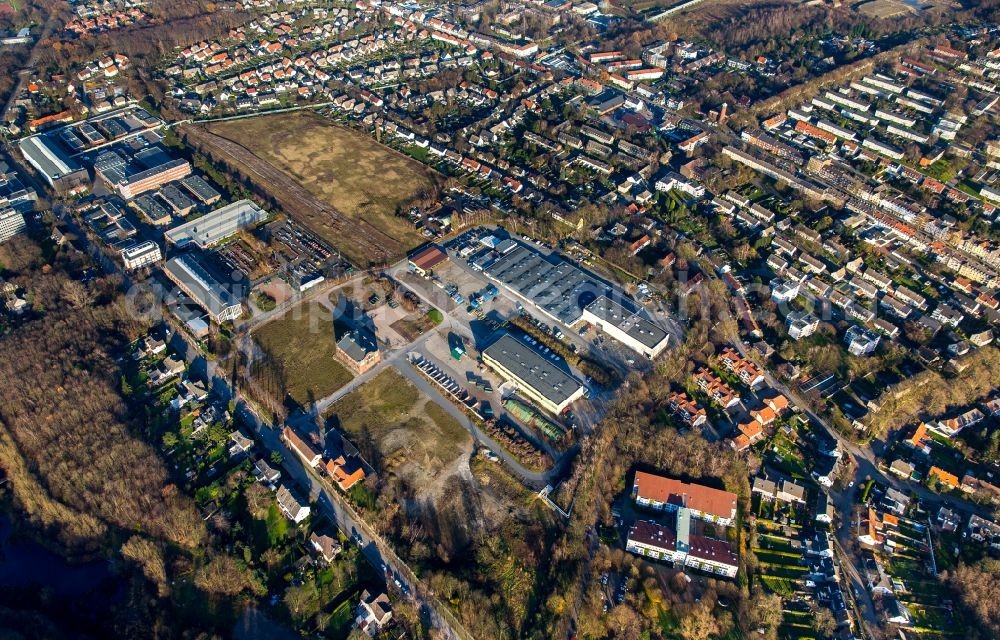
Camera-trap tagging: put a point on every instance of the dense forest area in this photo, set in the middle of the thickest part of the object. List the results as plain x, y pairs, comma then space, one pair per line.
977, 586
76, 469
80, 479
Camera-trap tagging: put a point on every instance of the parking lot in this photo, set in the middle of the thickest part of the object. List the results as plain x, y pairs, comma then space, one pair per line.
481, 383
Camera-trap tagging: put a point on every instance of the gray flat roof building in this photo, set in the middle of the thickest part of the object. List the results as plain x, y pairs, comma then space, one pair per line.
152, 209
206, 291
201, 189
536, 376
214, 227
59, 170
555, 286
626, 326
177, 199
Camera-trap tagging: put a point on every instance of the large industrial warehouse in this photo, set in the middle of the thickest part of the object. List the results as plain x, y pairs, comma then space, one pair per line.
568, 294
212, 228
626, 326
61, 172
558, 288
195, 281
535, 376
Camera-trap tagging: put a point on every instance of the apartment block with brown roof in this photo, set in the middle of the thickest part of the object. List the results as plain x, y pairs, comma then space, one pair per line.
704, 503
686, 409
677, 544
734, 362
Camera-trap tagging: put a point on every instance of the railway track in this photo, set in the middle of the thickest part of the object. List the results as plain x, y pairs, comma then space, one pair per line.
356, 238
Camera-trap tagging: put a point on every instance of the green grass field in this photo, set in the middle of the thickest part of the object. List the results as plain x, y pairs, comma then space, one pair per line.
341, 620
302, 346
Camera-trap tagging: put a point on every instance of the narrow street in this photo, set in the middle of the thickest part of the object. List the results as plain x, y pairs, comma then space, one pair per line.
25, 73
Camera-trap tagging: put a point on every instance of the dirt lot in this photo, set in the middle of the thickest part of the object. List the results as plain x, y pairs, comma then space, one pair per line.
413, 326
301, 349
363, 182
415, 438
277, 289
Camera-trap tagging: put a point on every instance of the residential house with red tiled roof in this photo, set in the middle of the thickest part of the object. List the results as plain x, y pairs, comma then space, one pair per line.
748, 373
778, 404
919, 440
716, 389
686, 409
946, 478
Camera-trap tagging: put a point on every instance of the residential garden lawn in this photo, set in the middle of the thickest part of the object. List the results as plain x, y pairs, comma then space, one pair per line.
768, 526
928, 588
411, 433
776, 543
341, 620
779, 585
906, 570
927, 615
778, 557
752, 191
301, 347
796, 624
785, 456
793, 572
945, 170
796, 617
796, 630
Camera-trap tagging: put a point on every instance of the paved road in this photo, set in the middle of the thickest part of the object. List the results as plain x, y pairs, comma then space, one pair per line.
536, 479
25, 73
859, 586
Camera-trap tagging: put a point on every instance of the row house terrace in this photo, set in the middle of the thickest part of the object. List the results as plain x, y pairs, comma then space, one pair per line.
682, 406
714, 387
748, 373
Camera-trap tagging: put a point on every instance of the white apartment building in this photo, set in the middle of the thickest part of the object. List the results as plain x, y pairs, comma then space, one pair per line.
11, 224
139, 255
